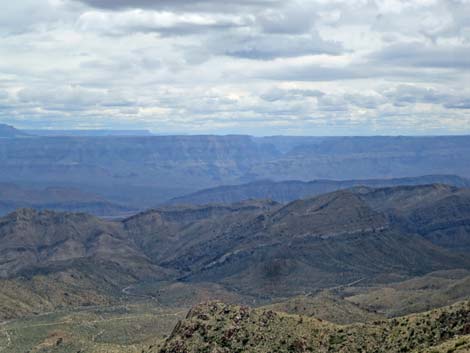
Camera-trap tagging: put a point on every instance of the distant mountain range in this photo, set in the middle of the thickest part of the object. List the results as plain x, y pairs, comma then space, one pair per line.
13, 197
10, 131
286, 191
142, 171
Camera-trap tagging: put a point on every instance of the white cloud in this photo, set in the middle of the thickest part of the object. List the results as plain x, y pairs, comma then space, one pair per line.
253, 66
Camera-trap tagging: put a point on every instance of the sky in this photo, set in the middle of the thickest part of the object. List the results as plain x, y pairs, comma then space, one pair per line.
260, 67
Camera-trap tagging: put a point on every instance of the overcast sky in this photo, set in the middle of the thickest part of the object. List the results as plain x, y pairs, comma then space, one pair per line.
262, 67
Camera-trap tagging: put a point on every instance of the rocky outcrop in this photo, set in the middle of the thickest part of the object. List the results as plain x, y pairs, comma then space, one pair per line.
216, 327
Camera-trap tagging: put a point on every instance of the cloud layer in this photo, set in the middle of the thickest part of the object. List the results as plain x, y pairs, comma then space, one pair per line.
254, 66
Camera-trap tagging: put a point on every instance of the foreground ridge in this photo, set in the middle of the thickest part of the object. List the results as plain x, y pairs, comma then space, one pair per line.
218, 327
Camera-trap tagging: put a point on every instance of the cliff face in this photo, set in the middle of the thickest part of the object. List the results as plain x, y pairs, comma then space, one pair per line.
141, 171
146, 170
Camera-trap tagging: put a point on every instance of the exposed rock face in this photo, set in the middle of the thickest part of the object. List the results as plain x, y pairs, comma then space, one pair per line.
138, 170
216, 327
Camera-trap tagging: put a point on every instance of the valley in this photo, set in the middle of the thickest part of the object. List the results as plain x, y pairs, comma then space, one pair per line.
72, 281
138, 323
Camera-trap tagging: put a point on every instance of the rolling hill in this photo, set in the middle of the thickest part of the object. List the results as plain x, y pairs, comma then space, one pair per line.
287, 191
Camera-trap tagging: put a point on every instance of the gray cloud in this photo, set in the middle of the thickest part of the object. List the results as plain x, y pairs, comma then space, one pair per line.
313, 73
293, 18
409, 94
458, 103
266, 47
187, 5
70, 98
404, 95
421, 55
371, 101
332, 103
277, 94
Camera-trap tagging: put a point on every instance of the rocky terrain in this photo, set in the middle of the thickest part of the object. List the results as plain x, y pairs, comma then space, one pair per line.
217, 327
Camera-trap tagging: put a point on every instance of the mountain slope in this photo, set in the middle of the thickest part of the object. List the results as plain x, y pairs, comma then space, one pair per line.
326, 306
256, 249
418, 294
440, 213
320, 242
287, 191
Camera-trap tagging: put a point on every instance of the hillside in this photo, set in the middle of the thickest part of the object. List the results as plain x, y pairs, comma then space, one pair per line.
439, 213
320, 242
217, 327
360, 302
327, 306
253, 251
26, 296
287, 191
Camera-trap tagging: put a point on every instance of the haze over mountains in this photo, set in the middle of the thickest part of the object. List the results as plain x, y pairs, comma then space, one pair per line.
13, 197
89, 133
143, 171
10, 131
286, 191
